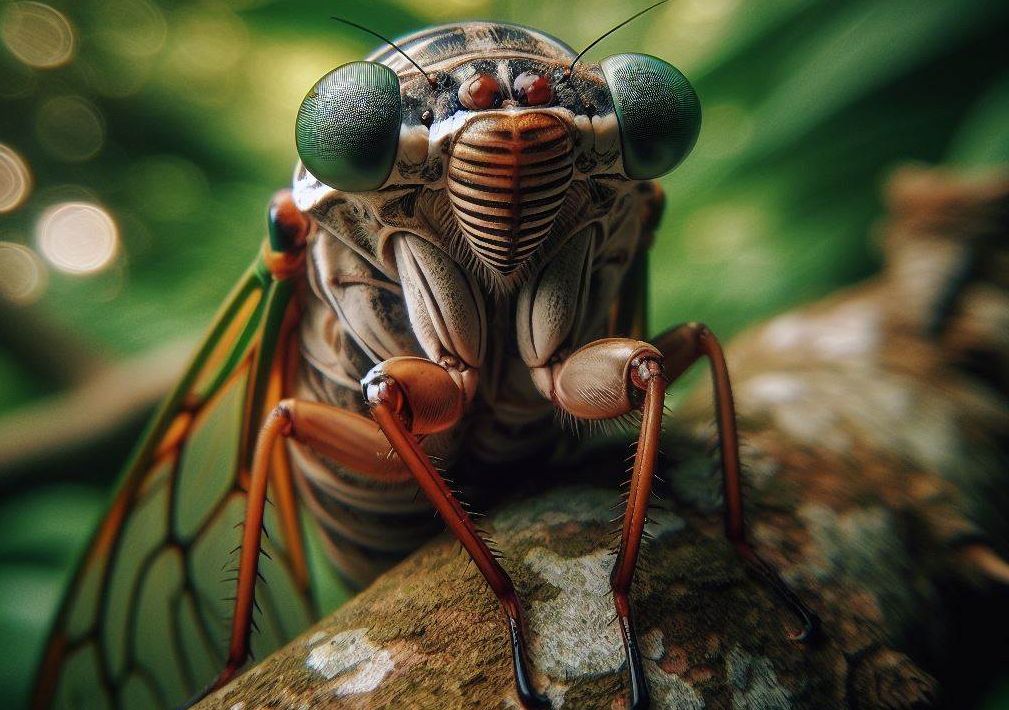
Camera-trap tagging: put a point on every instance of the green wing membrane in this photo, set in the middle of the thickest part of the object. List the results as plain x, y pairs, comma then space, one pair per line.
146, 620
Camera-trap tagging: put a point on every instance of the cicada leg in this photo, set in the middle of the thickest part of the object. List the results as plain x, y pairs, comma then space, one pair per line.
681, 347
407, 396
410, 396
346, 437
595, 382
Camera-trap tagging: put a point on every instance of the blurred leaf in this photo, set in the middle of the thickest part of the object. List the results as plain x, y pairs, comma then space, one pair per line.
983, 140
45, 532
867, 45
16, 385
29, 596
49, 524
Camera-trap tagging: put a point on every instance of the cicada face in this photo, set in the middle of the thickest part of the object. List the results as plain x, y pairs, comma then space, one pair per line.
499, 123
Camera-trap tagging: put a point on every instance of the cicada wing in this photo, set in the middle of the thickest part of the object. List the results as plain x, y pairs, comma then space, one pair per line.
145, 622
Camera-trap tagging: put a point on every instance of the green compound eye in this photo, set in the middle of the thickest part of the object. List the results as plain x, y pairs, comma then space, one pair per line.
658, 112
348, 126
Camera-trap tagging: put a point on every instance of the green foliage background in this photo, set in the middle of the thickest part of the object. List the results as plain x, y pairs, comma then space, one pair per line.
807, 105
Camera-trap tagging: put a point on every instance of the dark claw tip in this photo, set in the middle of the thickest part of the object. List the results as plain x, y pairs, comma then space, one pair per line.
534, 701
530, 699
765, 571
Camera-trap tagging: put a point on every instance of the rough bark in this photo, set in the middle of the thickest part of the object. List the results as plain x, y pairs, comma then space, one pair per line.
874, 426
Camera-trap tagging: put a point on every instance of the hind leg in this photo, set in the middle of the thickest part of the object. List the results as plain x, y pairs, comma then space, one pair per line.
681, 347
347, 438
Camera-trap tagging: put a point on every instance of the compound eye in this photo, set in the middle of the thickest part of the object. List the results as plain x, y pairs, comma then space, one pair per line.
532, 89
348, 126
480, 92
657, 110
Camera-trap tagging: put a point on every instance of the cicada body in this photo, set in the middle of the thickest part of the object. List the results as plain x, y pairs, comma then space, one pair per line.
493, 241
461, 256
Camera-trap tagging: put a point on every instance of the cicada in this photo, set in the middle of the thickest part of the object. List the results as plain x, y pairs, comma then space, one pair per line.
463, 253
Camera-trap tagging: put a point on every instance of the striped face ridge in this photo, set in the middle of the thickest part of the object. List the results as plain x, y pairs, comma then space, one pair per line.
508, 175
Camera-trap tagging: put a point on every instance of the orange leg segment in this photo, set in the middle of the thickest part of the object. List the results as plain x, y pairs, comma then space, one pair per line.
648, 376
349, 439
392, 406
651, 372
681, 347
277, 424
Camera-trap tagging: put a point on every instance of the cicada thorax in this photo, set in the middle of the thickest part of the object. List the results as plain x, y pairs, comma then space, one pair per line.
421, 300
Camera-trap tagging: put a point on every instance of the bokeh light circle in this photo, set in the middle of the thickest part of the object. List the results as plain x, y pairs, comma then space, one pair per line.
70, 128
23, 276
77, 237
15, 180
37, 34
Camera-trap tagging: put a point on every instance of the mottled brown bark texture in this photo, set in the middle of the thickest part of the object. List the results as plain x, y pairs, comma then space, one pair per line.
874, 427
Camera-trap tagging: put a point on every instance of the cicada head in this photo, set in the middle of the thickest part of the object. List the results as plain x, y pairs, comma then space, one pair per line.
497, 131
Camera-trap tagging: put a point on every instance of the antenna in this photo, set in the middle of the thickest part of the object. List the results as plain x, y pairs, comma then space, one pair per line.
606, 34
430, 77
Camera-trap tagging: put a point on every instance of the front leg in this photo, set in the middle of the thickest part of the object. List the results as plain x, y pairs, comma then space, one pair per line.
413, 396
609, 378
408, 397
605, 380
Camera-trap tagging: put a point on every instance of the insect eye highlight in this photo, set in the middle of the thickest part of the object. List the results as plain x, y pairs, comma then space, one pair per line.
480, 92
532, 89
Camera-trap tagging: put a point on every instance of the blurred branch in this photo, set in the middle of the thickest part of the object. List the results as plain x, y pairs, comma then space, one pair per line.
105, 401
876, 475
53, 353
948, 263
